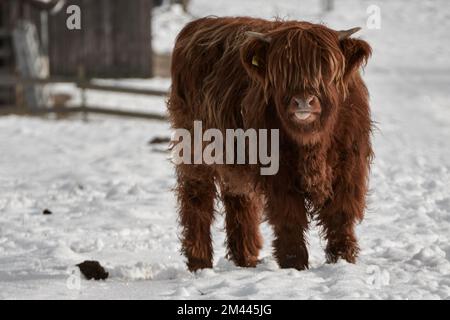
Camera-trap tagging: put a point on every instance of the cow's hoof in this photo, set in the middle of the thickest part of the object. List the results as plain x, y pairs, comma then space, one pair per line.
247, 262
293, 262
195, 264
348, 252
300, 266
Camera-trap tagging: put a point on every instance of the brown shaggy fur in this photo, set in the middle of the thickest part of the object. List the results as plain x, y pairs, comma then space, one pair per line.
324, 165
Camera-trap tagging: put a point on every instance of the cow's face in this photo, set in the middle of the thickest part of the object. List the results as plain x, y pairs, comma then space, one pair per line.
304, 69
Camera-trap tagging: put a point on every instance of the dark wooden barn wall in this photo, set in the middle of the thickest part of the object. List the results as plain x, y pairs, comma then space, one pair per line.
114, 40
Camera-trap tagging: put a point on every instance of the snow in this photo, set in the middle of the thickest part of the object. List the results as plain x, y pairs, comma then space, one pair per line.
110, 191
167, 22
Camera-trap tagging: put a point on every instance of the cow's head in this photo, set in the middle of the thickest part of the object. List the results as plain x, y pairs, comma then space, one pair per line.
305, 69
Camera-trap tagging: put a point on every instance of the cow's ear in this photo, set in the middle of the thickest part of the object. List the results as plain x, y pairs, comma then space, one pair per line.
356, 53
254, 55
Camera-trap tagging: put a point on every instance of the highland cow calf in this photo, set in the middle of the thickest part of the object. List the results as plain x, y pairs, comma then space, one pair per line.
302, 79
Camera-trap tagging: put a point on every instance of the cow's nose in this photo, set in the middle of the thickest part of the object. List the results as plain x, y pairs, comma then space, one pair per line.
309, 103
305, 109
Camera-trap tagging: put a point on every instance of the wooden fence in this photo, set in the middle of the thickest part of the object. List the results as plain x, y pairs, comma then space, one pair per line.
84, 108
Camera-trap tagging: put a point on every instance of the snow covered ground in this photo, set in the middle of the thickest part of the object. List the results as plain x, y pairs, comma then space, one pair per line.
109, 190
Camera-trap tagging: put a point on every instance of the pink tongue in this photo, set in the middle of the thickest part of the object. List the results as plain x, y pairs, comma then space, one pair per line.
302, 115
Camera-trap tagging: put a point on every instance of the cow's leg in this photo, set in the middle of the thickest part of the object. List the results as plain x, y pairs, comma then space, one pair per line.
196, 192
243, 213
342, 212
287, 214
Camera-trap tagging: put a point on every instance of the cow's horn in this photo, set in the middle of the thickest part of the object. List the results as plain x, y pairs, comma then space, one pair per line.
259, 36
344, 34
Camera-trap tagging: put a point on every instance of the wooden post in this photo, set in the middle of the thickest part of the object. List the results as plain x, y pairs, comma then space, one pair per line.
81, 83
328, 5
31, 63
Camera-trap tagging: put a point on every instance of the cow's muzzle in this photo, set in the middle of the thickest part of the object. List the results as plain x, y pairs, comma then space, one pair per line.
305, 109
